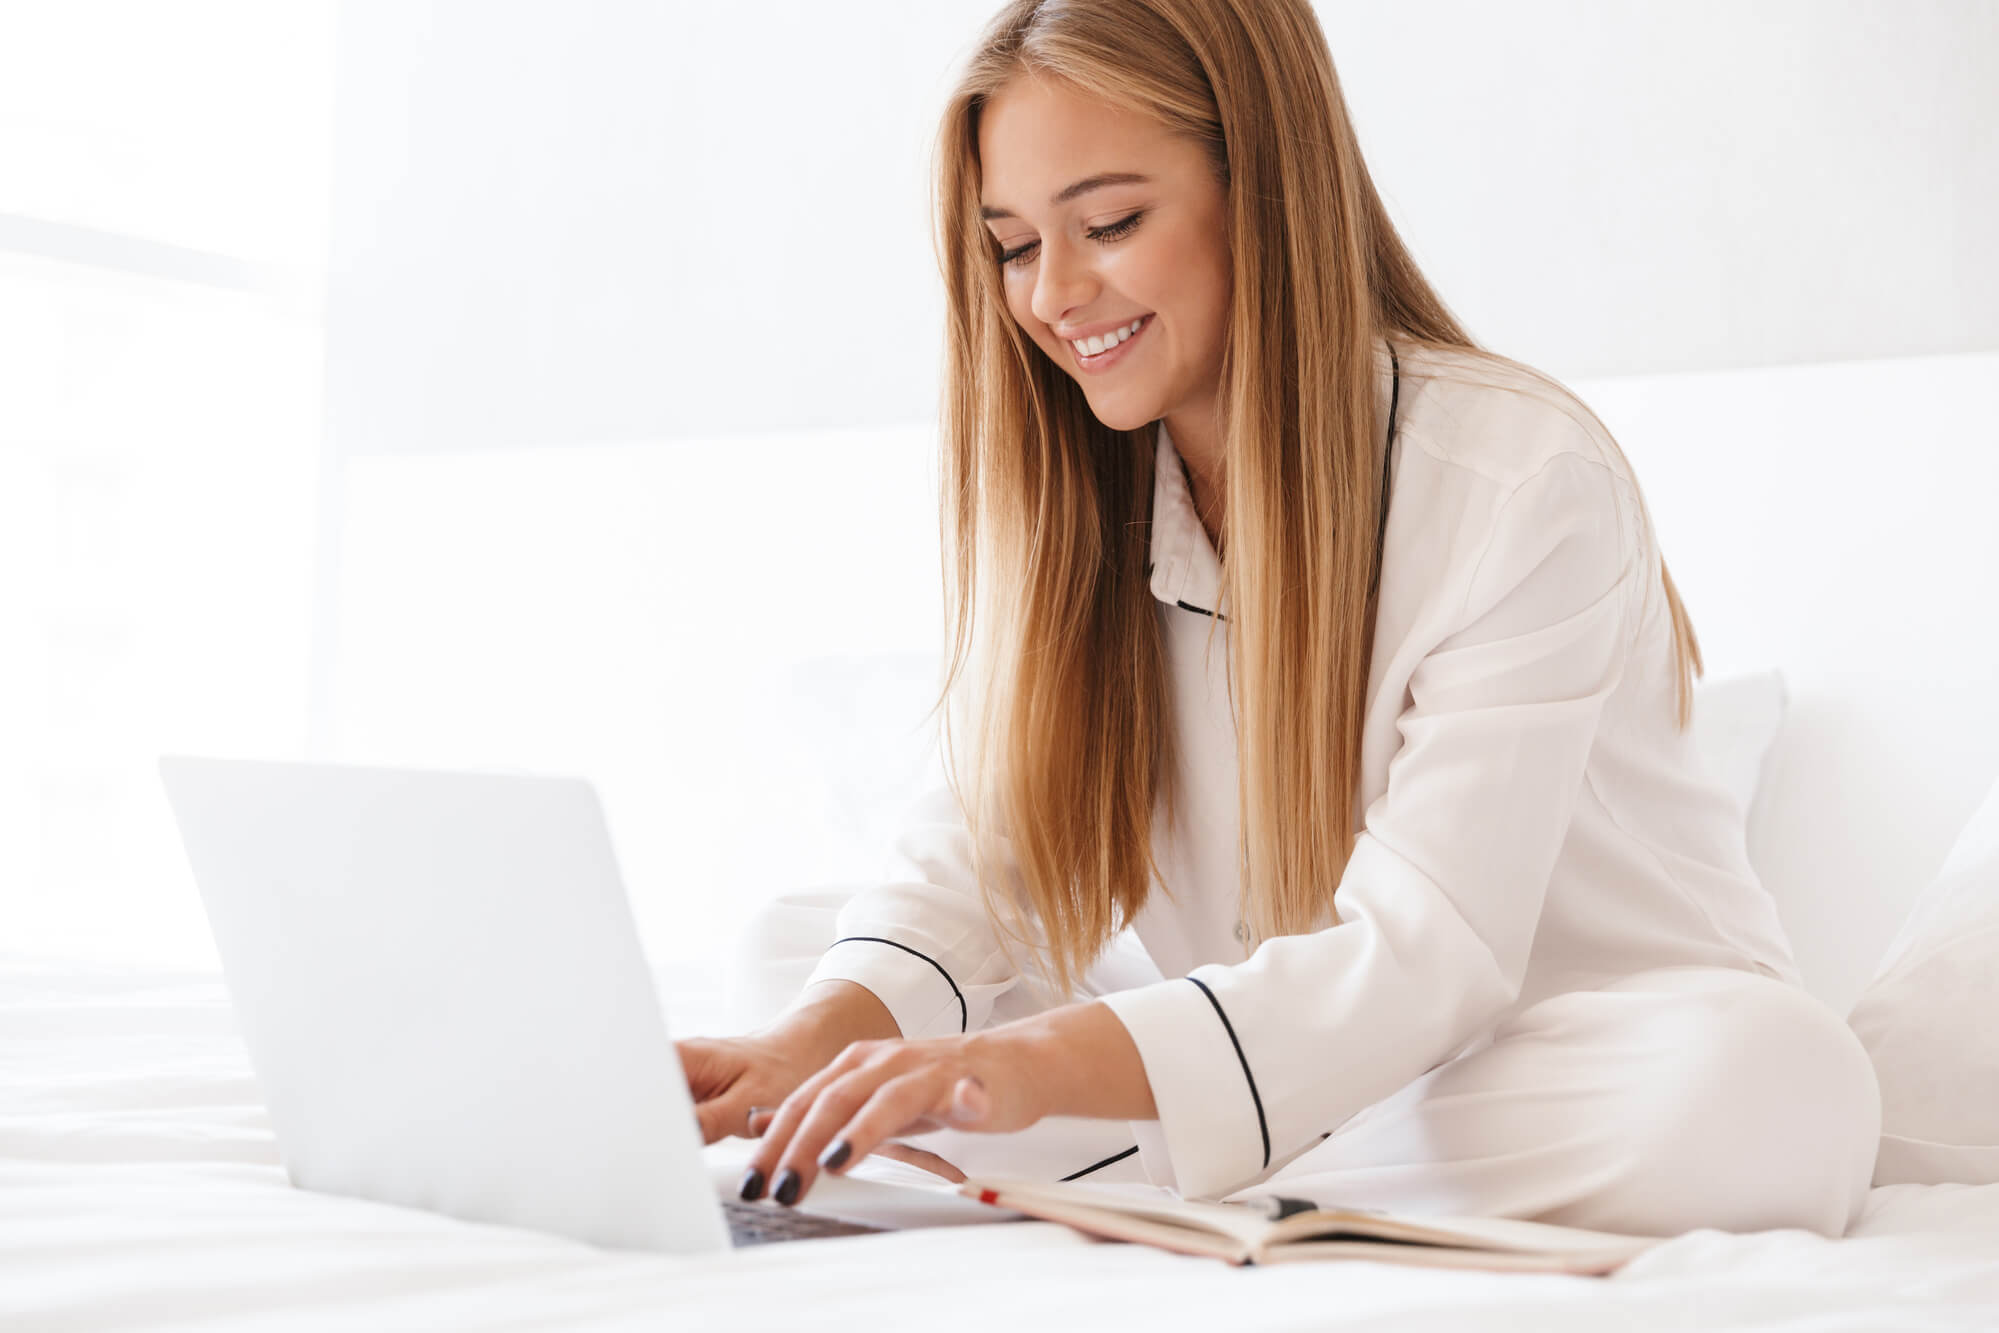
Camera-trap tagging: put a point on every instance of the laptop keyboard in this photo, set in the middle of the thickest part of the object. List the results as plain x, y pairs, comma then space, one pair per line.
760, 1223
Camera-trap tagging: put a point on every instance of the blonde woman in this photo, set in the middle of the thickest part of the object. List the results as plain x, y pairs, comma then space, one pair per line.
1330, 654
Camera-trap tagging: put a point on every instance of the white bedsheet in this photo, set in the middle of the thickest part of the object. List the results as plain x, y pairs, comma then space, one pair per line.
140, 1189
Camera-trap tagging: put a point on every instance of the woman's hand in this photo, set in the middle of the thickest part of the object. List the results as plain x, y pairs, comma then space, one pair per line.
875, 1090
729, 1075
726, 1072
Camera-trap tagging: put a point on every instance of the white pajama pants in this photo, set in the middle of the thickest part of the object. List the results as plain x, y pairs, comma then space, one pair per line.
1665, 1101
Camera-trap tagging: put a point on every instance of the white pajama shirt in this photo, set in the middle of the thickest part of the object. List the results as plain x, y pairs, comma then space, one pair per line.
1530, 821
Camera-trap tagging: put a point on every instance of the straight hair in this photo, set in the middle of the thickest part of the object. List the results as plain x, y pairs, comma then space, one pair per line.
1056, 677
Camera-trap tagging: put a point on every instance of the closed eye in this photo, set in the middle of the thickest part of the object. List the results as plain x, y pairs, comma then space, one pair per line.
1114, 231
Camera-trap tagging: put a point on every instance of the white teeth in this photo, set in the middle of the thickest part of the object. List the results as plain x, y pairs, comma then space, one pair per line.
1097, 345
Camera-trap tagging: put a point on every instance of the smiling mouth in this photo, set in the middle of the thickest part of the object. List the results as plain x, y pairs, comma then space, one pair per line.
1113, 353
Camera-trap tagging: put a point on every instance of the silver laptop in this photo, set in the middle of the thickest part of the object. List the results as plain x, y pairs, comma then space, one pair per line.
441, 987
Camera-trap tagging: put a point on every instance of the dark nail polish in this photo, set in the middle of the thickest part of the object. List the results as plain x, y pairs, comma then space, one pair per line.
753, 1184
834, 1157
786, 1192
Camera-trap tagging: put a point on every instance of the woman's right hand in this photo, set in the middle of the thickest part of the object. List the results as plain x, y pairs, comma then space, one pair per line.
729, 1075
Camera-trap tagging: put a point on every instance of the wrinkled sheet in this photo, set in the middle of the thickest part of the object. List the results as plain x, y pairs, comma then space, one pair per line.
140, 1188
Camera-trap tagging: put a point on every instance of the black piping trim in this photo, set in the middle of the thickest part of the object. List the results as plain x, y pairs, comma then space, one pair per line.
964, 1016
1096, 1166
1229, 1028
1387, 453
1189, 606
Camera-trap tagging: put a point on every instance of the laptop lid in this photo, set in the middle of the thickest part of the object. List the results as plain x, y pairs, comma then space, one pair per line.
441, 987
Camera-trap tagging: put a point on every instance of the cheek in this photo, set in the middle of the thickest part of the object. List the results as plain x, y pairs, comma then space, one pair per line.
1177, 281
1202, 302
1018, 297
1205, 281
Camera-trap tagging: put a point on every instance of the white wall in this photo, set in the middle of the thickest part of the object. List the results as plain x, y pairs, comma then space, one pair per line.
607, 220
1615, 188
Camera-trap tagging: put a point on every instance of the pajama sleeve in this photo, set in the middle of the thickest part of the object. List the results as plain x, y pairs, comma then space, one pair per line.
920, 939
1252, 1063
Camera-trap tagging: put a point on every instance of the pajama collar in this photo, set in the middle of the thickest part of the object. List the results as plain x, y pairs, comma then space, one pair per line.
1181, 563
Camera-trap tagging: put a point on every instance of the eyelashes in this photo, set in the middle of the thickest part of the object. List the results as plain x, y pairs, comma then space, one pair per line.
1111, 232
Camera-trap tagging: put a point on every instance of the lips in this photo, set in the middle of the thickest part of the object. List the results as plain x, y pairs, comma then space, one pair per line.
1110, 357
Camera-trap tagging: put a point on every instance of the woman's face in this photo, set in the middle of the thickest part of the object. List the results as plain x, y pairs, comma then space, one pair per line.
1084, 255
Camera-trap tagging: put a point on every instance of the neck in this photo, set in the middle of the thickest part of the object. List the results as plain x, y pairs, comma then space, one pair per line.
1197, 439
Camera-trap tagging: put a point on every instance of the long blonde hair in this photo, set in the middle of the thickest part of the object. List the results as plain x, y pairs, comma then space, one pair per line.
1071, 727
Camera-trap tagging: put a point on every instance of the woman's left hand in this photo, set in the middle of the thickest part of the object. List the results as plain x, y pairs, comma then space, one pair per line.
874, 1091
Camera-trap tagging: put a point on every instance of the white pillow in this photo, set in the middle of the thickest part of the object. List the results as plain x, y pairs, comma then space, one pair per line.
1927, 1021
1735, 719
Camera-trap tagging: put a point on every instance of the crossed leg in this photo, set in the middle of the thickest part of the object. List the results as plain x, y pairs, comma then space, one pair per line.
1668, 1100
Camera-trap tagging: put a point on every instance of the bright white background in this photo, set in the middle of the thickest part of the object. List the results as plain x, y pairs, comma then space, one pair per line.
548, 385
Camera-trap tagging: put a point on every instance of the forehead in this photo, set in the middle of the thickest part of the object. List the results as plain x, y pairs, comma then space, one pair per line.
1037, 134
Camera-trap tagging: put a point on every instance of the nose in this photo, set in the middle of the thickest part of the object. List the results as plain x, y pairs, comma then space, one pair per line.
1063, 281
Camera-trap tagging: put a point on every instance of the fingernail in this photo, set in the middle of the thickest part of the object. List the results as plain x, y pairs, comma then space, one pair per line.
753, 1184
786, 1192
834, 1157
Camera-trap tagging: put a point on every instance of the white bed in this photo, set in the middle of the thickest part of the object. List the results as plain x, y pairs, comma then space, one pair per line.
140, 1186
140, 1189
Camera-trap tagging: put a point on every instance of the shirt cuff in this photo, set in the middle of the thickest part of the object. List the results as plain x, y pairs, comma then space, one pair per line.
920, 995
1211, 1130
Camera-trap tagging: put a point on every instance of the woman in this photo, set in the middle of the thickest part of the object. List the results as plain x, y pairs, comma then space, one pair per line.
1399, 799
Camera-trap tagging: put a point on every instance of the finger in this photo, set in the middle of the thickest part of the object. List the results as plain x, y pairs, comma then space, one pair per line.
837, 1104
728, 1117
707, 1081
929, 1161
720, 1118
701, 1064
970, 1104
761, 1169
900, 1105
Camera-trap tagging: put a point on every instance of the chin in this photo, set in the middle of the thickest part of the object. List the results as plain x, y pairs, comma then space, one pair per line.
1123, 416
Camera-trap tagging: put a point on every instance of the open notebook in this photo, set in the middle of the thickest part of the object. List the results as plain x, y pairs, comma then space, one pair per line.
1274, 1229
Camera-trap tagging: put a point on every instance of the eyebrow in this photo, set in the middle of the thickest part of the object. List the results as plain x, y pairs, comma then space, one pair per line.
1083, 186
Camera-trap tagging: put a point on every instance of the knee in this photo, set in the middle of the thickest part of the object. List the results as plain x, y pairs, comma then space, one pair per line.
1768, 1108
